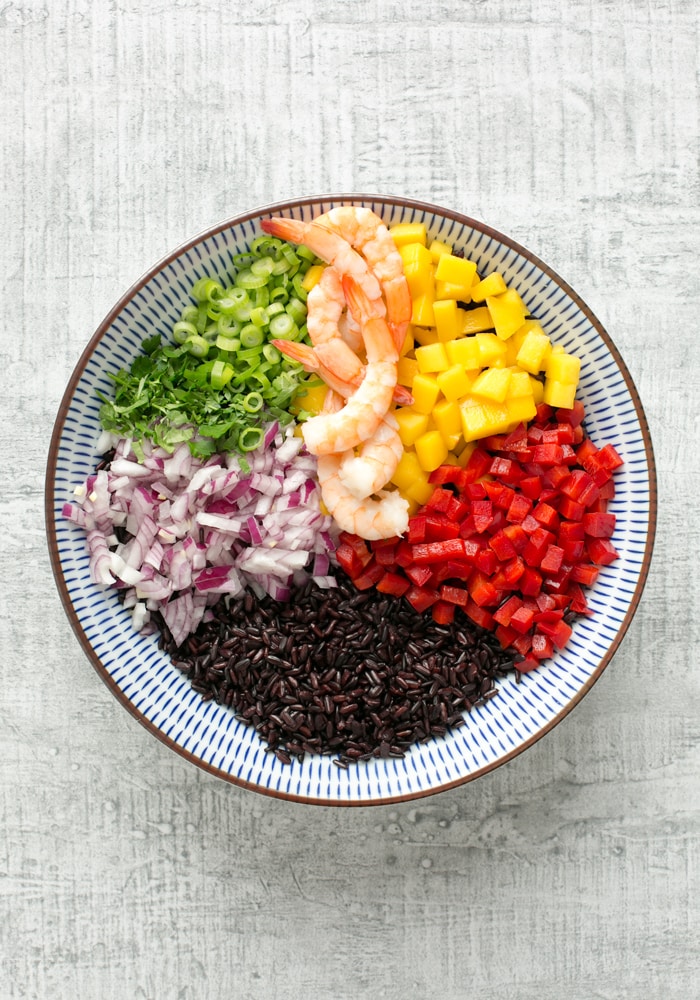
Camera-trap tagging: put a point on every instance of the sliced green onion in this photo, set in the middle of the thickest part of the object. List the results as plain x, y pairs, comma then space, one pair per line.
221, 374
250, 438
265, 245
272, 354
241, 313
259, 317
273, 309
197, 346
279, 294
227, 343
283, 326
182, 331
246, 279
297, 310
307, 254
248, 354
263, 265
206, 289
252, 402
251, 336
189, 314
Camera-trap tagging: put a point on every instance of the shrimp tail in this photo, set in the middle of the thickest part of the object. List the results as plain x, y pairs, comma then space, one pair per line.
292, 230
298, 352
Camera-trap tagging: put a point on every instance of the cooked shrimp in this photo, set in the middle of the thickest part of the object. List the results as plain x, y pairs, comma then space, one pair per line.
359, 419
326, 305
365, 230
383, 517
374, 465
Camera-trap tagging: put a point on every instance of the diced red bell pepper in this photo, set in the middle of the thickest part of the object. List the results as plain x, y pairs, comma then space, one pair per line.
609, 458
531, 487
439, 500
477, 466
505, 635
555, 476
530, 582
516, 439
565, 433
601, 551
506, 470
482, 514
394, 584
404, 554
370, 575
475, 491
430, 552
552, 559
534, 434
350, 561
438, 528
458, 569
418, 575
545, 602
534, 551
513, 571
547, 454
501, 494
543, 414
579, 603
571, 509
574, 416
503, 614
546, 515
527, 664
446, 474
480, 616
357, 544
517, 535
386, 556
482, 590
523, 644
454, 595
502, 546
522, 619
599, 525
421, 598
486, 561
562, 634
416, 528
443, 612
570, 531
520, 507
573, 550
472, 548
457, 509
542, 646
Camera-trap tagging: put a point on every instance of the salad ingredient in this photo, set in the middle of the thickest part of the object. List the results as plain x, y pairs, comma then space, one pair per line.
220, 380
370, 469
511, 538
371, 518
365, 231
173, 532
355, 675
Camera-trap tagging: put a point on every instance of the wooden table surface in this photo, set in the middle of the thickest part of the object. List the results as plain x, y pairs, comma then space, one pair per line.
572, 872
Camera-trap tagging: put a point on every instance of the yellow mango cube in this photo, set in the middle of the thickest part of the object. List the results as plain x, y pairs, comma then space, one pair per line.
411, 424
447, 290
533, 352
425, 335
492, 384
521, 409
408, 471
455, 270
438, 248
464, 352
415, 253
493, 284
508, 312
519, 384
426, 392
537, 389
447, 419
408, 232
481, 418
559, 393
407, 369
432, 358
422, 313
491, 349
563, 367
312, 276
420, 278
420, 491
477, 320
431, 450
449, 319
310, 399
454, 382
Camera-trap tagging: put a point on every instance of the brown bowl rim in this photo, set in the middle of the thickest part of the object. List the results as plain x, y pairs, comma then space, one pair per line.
278, 208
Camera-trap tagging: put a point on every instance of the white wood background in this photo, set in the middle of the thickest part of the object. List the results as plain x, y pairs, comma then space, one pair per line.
125, 872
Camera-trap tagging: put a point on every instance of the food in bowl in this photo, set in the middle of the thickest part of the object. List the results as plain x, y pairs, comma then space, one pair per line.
372, 438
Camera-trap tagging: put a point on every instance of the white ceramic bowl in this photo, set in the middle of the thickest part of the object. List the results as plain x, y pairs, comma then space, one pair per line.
160, 697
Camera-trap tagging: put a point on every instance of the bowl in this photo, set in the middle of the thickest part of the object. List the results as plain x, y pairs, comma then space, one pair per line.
208, 735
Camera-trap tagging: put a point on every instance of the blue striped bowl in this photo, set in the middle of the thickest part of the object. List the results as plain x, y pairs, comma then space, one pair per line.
156, 693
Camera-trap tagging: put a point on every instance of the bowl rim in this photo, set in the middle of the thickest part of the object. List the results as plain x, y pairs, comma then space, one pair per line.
277, 208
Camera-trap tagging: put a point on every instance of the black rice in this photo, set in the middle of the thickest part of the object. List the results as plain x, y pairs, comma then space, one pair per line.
339, 671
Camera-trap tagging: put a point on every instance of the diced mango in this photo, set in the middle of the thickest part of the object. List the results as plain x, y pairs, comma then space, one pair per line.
447, 290
438, 248
519, 384
422, 314
420, 278
408, 471
520, 409
426, 392
466, 453
533, 351
492, 384
491, 285
447, 419
415, 253
431, 450
455, 270
411, 424
481, 418
432, 358
312, 276
464, 352
407, 369
420, 490
563, 367
537, 389
477, 320
408, 232
508, 312
310, 399
491, 349
449, 319
424, 335
559, 394
454, 382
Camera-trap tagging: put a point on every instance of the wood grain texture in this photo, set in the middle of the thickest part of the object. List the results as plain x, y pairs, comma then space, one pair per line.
571, 873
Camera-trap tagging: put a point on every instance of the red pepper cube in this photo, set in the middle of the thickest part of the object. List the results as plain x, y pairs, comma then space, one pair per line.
531, 487
520, 507
527, 664
370, 576
565, 433
561, 634
589, 494
505, 470
493, 442
601, 551
458, 569
486, 561
542, 646
599, 506
477, 466
441, 572
578, 599
552, 560
472, 548
609, 458
385, 555
555, 476
573, 550
357, 544
443, 613
575, 483
439, 528
349, 560
534, 551
607, 490
499, 521
479, 615
516, 439
467, 527
506, 610
513, 571
454, 595
457, 509
446, 474
586, 452
530, 582
394, 584
522, 619
502, 546
440, 500
482, 514
482, 591
419, 575
550, 435
517, 535
475, 491
568, 455
505, 635
534, 434
416, 528
570, 531
522, 645
421, 598
545, 602
599, 525
430, 552
543, 414
574, 416
530, 525
500, 493
404, 554
571, 509
546, 515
